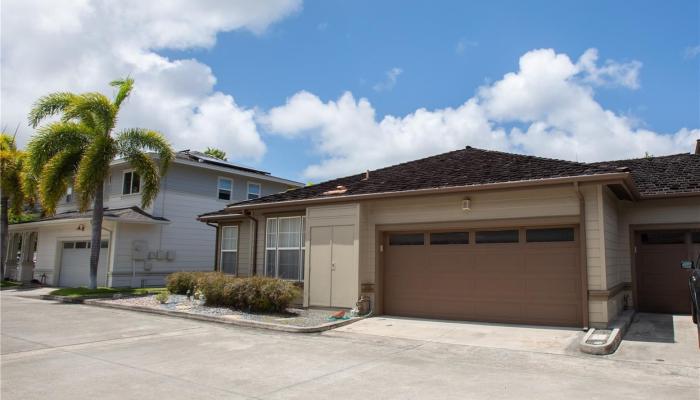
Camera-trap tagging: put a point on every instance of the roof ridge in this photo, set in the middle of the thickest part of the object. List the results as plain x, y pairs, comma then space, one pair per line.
642, 158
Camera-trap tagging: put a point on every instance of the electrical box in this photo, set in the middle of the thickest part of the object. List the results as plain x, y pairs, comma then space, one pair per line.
152, 255
160, 254
139, 250
147, 266
170, 255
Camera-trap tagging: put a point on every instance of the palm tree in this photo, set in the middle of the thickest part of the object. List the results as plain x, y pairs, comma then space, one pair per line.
11, 193
216, 153
79, 147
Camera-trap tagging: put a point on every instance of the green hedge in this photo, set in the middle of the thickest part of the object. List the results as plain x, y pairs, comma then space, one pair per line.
181, 282
253, 294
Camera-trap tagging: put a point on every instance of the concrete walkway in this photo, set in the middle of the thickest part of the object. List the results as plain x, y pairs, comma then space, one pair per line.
62, 351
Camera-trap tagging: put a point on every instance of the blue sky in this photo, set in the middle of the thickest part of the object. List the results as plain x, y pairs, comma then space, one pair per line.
441, 54
331, 47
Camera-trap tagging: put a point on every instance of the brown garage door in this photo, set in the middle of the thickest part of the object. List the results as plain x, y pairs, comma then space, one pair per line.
529, 276
662, 286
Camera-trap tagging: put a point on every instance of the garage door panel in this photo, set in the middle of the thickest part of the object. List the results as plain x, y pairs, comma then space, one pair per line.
514, 282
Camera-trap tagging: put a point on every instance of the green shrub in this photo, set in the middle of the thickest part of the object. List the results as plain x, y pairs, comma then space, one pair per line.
163, 297
181, 282
254, 294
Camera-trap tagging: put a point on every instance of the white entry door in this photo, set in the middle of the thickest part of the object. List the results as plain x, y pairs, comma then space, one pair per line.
333, 276
75, 264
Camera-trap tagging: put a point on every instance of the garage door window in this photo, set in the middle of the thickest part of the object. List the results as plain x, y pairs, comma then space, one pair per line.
550, 235
406, 239
696, 237
509, 236
663, 238
441, 238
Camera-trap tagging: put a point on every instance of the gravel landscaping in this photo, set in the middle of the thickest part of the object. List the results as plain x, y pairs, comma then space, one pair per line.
294, 316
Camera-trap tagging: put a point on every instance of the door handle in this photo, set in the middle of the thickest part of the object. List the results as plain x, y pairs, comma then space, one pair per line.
332, 266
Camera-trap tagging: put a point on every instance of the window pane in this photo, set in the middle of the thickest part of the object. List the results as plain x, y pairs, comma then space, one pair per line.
696, 237
510, 236
229, 262
271, 230
104, 244
550, 235
68, 245
126, 188
289, 232
224, 194
406, 239
135, 183
81, 245
225, 183
253, 191
270, 262
289, 264
449, 238
663, 238
229, 238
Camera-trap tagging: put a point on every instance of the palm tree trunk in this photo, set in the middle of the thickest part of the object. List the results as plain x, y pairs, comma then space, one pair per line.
4, 226
97, 213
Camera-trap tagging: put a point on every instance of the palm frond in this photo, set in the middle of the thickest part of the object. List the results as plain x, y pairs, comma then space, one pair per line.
136, 140
94, 109
94, 169
54, 138
49, 105
125, 86
55, 178
150, 176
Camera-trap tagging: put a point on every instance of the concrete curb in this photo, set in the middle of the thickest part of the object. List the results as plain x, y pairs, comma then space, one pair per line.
244, 323
614, 333
82, 299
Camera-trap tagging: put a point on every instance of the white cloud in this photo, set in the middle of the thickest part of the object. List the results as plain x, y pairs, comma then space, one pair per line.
387, 84
692, 51
550, 101
81, 45
463, 44
611, 73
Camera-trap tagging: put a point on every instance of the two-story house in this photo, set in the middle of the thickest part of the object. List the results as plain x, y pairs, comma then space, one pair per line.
140, 247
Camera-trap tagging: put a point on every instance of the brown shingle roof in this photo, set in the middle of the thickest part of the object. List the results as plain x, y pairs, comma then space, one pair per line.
465, 167
659, 176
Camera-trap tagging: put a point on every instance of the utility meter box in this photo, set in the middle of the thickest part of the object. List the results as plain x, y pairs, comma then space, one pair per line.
139, 250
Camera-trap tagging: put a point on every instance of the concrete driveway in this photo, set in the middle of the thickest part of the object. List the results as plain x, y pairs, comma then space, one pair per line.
499, 336
61, 351
661, 338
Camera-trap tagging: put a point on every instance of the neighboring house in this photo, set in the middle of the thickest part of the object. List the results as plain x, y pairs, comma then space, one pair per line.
140, 246
481, 235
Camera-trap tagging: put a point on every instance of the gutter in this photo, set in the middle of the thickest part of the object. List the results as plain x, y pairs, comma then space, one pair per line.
452, 189
583, 256
82, 219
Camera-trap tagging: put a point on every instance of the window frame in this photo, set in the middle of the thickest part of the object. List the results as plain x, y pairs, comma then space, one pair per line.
131, 182
248, 193
219, 188
222, 250
276, 247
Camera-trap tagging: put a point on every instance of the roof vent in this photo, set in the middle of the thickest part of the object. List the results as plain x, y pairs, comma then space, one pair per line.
623, 169
366, 176
697, 147
338, 190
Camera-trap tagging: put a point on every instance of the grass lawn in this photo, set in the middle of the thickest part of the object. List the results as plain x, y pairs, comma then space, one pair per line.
8, 283
103, 291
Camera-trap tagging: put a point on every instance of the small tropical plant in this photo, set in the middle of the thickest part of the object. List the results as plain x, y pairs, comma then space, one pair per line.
163, 296
216, 153
12, 195
78, 149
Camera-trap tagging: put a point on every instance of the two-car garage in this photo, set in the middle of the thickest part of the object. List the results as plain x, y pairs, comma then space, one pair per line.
514, 275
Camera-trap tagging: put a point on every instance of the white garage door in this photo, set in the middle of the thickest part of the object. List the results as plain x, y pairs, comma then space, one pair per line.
75, 264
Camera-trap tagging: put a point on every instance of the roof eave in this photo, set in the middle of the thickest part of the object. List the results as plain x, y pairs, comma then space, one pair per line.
625, 176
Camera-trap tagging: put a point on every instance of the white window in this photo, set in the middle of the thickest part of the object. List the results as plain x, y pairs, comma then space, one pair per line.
284, 248
132, 183
69, 194
228, 261
254, 190
225, 188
